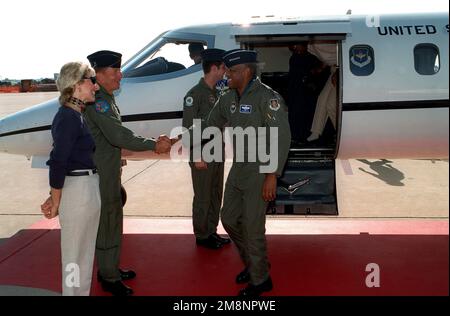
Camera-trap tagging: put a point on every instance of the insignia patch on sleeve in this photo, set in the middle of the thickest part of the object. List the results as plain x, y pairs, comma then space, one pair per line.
274, 104
189, 101
102, 106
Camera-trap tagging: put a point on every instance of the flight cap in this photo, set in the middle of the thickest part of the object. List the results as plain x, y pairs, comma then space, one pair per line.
212, 54
237, 57
105, 58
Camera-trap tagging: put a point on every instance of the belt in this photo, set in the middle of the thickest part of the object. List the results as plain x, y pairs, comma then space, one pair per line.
81, 173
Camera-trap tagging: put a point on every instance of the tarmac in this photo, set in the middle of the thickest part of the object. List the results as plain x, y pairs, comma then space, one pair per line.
375, 189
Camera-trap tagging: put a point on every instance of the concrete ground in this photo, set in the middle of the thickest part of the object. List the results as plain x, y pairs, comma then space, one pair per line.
157, 188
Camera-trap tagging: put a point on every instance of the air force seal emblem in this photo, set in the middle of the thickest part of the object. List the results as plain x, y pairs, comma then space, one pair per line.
362, 60
360, 57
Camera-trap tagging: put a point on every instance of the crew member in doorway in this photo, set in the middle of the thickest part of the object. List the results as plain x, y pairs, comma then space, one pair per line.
302, 91
327, 101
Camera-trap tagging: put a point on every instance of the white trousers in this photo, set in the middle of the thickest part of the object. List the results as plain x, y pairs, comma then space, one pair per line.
79, 216
325, 107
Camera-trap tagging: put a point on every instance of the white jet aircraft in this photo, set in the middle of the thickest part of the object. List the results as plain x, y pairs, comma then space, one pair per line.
392, 96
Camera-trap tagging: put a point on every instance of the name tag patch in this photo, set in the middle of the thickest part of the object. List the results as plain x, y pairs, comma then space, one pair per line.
245, 109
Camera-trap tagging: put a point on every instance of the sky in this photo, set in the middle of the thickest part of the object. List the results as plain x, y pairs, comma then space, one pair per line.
38, 36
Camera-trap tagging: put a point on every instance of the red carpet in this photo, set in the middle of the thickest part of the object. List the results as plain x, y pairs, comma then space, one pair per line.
308, 257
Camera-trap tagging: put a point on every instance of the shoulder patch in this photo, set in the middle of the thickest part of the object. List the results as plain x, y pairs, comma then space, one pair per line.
189, 101
274, 104
102, 106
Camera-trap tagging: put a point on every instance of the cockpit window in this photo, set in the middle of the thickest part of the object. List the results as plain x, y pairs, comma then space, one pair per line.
169, 56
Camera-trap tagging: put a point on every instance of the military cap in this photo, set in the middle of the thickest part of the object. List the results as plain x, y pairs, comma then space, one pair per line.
105, 58
195, 48
239, 56
212, 54
232, 51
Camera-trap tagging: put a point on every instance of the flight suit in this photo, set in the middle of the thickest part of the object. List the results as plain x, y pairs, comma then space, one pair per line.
110, 136
243, 211
207, 184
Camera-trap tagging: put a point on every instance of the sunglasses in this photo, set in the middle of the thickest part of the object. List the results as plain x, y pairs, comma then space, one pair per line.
93, 79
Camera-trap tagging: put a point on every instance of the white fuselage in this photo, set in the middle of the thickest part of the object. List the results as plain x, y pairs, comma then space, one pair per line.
395, 112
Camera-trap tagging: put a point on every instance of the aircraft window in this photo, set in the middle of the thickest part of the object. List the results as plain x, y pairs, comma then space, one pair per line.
170, 57
426, 59
362, 60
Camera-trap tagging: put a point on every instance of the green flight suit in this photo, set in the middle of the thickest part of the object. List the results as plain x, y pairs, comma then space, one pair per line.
110, 136
244, 210
207, 184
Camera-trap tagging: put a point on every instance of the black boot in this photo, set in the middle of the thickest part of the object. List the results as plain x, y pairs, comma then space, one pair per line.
210, 243
222, 240
243, 277
256, 290
124, 275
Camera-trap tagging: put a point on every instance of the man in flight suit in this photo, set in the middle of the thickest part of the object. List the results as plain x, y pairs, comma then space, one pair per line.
250, 104
110, 137
207, 178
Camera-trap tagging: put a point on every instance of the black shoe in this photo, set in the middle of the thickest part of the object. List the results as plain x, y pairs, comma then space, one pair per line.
117, 288
210, 243
243, 277
222, 240
124, 275
127, 274
256, 290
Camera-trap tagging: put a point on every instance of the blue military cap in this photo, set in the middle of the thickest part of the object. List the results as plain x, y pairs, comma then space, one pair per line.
105, 58
239, 56
212, 54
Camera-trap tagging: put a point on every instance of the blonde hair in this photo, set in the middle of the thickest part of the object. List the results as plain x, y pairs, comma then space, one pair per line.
71, 74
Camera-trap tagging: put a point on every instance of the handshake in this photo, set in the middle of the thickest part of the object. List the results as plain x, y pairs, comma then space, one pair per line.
164, 144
